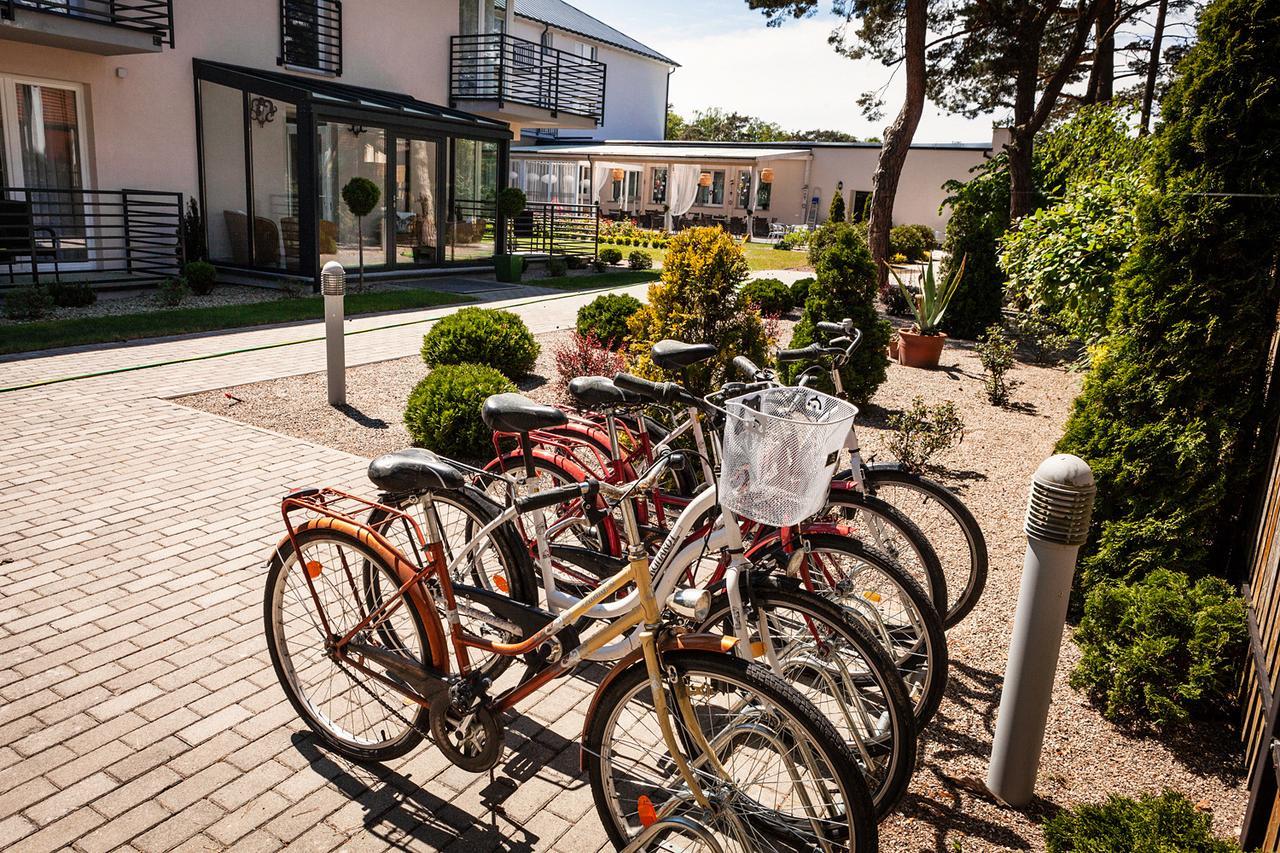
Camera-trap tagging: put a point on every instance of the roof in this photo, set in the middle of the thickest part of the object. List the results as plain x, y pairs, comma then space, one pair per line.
326, 93
562, 16
792, 144
664, 152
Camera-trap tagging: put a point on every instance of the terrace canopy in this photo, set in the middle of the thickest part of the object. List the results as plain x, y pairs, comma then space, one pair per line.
275, 151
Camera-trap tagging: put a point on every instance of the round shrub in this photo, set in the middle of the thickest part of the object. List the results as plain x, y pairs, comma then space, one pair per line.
557, 267
361, 196
800, 291
27, 303
770, 295
639, 260
172, 292
928, 238
511, 202
907, 240
605, 318
201, 276
1150, 824
443, 413
610, 256
497, 339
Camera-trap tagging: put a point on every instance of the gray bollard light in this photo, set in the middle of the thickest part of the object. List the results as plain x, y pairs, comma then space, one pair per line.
1057, 524
333, 284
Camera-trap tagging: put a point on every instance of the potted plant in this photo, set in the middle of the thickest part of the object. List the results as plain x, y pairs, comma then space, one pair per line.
922, 345
511, 202
361, 196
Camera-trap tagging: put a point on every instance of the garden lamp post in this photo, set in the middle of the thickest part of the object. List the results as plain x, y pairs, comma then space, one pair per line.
333, 284
1057, 524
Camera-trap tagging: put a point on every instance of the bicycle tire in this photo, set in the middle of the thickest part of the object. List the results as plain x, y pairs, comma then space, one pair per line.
922, 561
852, 829
514, 563
889, 779
965, 584
918, 648
413, 715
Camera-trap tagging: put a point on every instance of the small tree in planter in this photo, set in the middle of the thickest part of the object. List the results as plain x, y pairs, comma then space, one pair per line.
511, 202
361, 196
922, 345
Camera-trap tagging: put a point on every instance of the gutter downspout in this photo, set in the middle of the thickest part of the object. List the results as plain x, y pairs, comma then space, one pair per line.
804, 206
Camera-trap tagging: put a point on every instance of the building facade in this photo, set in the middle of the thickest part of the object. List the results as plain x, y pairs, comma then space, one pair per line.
114, 116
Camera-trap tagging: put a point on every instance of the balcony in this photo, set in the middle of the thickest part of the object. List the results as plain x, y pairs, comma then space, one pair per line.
522, 82
103, 27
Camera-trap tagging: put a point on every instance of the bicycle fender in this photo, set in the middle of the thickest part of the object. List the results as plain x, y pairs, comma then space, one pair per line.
419, 596
886, 466
676, 643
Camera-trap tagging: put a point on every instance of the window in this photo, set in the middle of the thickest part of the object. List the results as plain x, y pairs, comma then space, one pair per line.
311, 35
712, 196
659, 186
631, 182
861, 206
764, 194
743, 198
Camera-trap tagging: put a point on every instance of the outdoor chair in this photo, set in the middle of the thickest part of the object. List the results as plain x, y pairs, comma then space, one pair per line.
18, 239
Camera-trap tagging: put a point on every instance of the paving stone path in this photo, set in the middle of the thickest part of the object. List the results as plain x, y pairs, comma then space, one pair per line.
139, 708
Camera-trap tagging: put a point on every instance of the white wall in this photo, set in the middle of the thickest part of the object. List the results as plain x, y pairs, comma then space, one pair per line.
142, 127
635, 99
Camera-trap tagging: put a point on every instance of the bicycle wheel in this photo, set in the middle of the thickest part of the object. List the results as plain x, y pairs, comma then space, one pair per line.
355, 714
886, 599
788, 783
500, 565
835, 663
889, 530
956, 536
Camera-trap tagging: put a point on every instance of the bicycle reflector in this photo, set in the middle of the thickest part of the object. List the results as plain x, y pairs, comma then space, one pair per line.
313, 569
647, 813
500, 581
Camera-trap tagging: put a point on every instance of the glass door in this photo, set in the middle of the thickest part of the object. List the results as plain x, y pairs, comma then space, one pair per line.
415, 221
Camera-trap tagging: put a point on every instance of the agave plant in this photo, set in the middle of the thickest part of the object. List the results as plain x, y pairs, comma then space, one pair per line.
933, 300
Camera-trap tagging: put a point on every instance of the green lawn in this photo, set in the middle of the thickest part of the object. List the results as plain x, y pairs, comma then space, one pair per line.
48, 334
621, 278
760, 256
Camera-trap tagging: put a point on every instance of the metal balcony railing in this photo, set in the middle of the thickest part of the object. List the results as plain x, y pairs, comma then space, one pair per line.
505, 69
545, 228
148, 16
103, 237
311, 35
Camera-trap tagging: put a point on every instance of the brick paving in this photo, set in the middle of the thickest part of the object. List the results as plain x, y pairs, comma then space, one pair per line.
139, 708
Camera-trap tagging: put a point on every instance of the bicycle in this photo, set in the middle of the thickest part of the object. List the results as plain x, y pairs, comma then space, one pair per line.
702, 781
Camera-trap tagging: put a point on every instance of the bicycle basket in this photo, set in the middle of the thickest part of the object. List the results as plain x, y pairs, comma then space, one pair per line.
779, 453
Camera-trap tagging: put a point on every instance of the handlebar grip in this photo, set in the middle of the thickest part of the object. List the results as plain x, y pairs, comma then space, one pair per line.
667, 393
808, 353
833, 328
561, 494
746, 368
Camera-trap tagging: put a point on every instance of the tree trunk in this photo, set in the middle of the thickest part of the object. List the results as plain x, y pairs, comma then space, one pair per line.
897, 141
1153, 68
1021, 179
1102, 76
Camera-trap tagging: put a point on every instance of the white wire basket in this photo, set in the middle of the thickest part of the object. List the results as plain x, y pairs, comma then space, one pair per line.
779, 453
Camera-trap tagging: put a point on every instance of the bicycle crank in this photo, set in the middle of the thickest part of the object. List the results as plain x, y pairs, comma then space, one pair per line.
471, 740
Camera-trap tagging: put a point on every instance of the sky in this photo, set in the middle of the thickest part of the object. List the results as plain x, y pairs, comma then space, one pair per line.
789, 74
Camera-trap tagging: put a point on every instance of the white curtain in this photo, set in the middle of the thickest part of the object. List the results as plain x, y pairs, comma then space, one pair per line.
682, 189
551, 181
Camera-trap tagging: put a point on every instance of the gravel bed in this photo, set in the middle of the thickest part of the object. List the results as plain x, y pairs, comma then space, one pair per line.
145, 302
1085, 757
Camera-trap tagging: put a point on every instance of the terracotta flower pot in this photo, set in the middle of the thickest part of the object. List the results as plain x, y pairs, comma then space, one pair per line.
893, 348
916, 350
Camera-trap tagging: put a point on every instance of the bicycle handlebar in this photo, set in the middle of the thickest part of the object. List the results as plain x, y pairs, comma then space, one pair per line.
587, 490
842, 329
665, 393
746, 368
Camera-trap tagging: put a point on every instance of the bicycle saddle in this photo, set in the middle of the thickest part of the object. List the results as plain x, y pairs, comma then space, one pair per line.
673, 355
517, 413
600, 391
414, 470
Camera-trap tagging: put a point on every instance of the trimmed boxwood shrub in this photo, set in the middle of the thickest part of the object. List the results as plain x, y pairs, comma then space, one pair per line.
443, 413
845, 287
610, 256
698, 299
800, 291
605, 318
640, 260
72, 294
488, 336
907, 240
770, 295
1167, 823
201, 276
557, 267
27, 303
1162, 649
